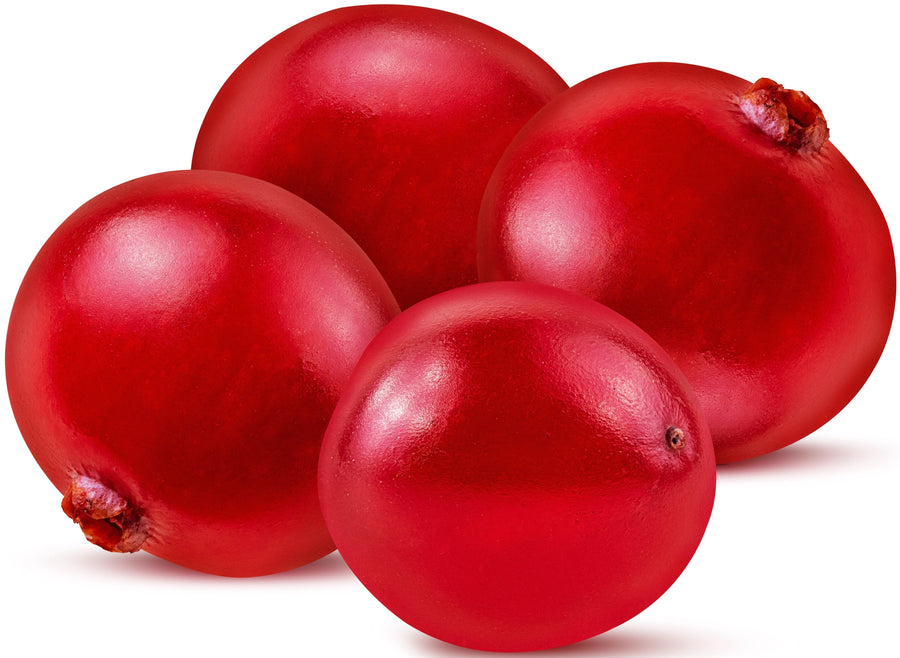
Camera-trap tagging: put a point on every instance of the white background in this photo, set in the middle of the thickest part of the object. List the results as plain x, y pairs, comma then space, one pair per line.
801, 555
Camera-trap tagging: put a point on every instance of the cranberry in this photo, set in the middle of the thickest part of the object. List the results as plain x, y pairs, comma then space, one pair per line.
718, 216
515, 467
173, 356
390, 119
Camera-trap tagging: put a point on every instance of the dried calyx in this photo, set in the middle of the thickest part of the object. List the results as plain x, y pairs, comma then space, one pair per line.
675, 438
787, 116
106, 518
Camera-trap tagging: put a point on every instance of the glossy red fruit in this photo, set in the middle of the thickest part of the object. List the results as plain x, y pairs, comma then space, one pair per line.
717, 216
173, 356
390, 119
514, 467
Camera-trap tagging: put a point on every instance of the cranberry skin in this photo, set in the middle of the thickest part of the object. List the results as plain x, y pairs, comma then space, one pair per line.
515, 467
176, 348
388, 118
765, 268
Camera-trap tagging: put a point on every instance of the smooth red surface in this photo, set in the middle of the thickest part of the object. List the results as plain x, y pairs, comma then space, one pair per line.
498, 471
767, 273
390, 119
182, 339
